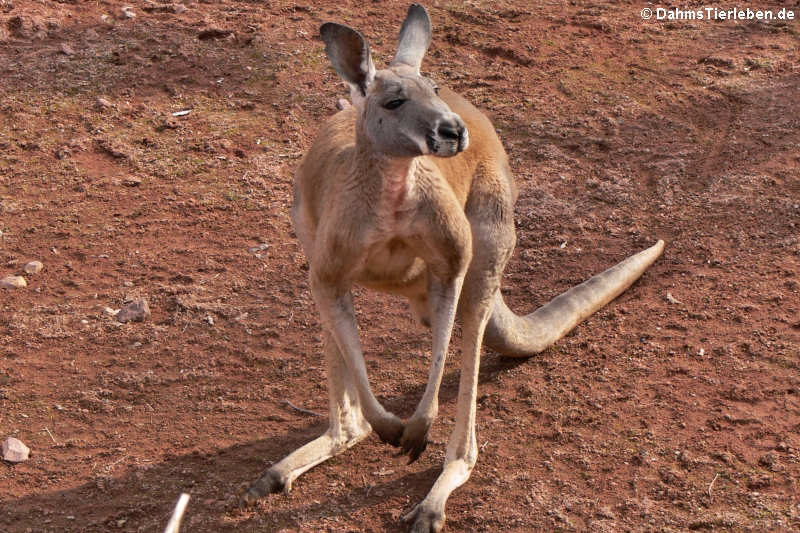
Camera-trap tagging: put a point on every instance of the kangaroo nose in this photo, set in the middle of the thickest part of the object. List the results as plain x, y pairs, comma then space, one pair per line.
450, 130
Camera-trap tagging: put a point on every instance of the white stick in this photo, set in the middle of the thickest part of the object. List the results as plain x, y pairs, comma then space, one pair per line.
174, 524
712, 484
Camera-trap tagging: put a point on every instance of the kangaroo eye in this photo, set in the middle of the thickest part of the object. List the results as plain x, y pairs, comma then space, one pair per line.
393, 104
436, 89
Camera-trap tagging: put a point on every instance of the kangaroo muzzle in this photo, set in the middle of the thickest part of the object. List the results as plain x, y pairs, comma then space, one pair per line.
449, 137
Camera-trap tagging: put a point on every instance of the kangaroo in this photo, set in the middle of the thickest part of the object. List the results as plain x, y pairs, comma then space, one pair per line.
409, 191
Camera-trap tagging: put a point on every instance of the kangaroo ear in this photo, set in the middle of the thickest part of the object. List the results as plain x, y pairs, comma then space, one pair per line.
415, 36
349, 53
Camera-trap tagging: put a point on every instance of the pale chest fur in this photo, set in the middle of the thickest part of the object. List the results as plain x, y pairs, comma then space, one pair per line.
391, 253
399, 193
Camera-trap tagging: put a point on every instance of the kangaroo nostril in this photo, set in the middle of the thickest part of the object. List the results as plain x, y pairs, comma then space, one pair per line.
450, 131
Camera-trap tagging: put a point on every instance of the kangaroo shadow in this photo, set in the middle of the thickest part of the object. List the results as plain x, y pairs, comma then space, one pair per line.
142, 499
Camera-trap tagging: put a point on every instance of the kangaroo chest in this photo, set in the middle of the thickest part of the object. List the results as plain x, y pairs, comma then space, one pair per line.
394, 261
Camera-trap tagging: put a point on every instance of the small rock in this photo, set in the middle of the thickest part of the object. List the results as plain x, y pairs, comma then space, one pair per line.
136, 311
214, 33
671, 299
132, 181
110, 312
259, 248
716, 61
170, 123
758, 482
209, 320
165, 8
726, 457
33, 267
114, 148
771, 461
91, 35
27, 27
342, 103
14, 451
102, 103
66, 49
127, 283
13, 282
127, 12
63, 152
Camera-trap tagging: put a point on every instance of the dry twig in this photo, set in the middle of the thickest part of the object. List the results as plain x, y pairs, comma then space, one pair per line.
712, 484
306, 411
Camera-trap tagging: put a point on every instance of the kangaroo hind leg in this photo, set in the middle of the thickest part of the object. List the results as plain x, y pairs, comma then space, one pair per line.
347, 427
493, 240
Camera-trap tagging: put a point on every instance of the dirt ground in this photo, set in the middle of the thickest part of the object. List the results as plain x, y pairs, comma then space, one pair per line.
657, 414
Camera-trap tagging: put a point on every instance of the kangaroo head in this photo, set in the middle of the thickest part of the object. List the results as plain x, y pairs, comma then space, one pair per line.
400, 112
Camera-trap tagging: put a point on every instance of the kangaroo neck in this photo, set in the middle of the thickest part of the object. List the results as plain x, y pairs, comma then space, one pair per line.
389, 180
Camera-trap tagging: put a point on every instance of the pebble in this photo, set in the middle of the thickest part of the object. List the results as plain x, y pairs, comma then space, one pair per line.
33, 267
259, 248
671, 299
214, 33
13, 282
66, 49
103, 103
15, 451
27, 27
136, 311
127, 12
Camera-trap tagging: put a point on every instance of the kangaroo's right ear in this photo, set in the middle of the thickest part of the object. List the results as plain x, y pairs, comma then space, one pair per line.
349, 53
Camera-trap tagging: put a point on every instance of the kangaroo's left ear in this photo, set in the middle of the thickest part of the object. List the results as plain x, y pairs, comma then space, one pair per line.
415, 36
349, 53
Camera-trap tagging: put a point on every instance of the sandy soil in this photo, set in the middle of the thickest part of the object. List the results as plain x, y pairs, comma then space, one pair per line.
657, 414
